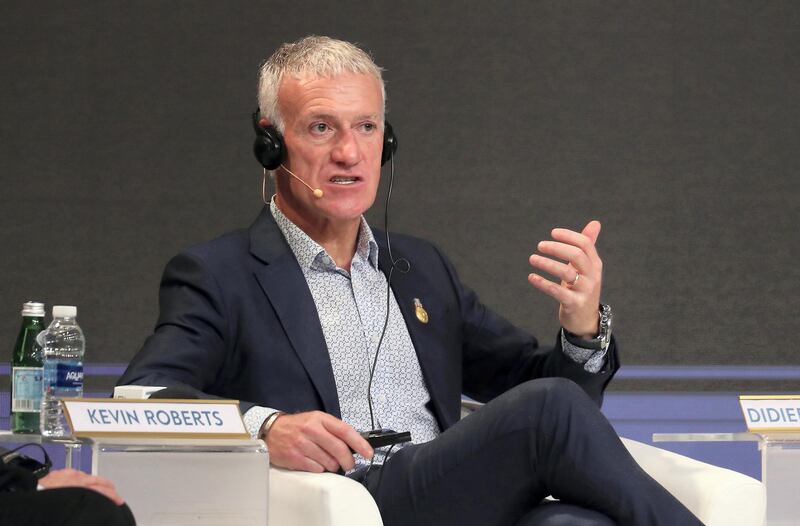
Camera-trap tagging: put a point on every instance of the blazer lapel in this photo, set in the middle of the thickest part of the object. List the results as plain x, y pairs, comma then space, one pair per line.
408, 288
285, 286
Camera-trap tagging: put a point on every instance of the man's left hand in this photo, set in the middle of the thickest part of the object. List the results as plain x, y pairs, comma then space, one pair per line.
580, 272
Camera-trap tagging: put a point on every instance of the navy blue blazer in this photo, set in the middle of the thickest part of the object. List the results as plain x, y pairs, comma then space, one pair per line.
237, 320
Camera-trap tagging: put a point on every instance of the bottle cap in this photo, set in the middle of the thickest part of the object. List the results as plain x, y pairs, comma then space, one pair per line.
64, 311
33, 309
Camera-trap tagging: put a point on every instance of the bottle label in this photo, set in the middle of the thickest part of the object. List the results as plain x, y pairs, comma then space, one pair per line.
26, 389
69, 376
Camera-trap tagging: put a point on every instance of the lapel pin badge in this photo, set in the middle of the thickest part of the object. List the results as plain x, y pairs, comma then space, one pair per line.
419, 310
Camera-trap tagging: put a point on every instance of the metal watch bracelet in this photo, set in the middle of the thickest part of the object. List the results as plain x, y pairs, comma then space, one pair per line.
604, 334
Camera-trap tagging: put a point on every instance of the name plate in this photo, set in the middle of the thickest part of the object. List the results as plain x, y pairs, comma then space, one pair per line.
109, 417
771, 412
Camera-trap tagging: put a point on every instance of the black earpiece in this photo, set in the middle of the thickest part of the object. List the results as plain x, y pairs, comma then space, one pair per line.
389, 143
268, 146
270, 151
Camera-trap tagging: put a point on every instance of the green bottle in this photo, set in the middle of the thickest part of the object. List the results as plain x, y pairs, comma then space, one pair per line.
26, 371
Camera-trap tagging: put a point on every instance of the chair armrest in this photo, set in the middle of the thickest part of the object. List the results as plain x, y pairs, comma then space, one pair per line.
319, 499
717, 496
304, 499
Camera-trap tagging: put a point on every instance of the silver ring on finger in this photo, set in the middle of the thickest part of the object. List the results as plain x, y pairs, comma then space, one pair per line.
574, 281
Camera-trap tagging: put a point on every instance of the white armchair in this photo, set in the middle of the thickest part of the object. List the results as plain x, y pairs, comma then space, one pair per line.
718, 496
319, 499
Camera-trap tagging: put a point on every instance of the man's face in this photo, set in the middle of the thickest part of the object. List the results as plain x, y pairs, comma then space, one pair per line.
334, 136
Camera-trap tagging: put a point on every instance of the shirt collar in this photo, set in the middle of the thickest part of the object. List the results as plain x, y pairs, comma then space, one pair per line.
310, 254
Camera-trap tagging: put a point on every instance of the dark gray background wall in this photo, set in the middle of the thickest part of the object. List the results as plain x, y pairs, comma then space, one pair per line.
125, 137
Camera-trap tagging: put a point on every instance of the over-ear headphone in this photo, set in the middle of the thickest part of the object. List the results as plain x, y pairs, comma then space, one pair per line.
271, 152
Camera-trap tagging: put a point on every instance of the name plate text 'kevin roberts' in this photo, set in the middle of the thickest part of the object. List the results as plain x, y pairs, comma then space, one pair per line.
108, 417
779, 413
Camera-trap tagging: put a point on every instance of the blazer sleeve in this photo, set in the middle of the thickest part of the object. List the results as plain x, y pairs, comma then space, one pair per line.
189, 344
497, 356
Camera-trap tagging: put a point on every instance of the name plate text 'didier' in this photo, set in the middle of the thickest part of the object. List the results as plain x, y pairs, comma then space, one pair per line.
765, 413
108, 417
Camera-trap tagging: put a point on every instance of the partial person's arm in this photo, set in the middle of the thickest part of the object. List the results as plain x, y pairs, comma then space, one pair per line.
71, 478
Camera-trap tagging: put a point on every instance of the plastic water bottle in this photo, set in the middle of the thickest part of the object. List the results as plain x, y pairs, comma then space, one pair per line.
63, 346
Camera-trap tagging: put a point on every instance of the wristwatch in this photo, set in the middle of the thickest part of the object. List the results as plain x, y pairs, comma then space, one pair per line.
604, 335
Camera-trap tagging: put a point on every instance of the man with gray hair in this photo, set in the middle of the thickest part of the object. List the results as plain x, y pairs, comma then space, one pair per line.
289, 315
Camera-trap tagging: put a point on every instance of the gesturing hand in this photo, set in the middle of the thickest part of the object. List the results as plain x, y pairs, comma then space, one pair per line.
581, 277
314, 441
68, 478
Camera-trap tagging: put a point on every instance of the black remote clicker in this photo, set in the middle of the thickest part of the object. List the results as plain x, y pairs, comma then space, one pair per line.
385, 437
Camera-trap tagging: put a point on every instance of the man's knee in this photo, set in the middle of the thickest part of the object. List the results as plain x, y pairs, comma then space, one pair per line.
537, 400
554, 391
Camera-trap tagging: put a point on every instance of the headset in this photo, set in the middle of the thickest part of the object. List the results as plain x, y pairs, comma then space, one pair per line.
16, 459
270, 150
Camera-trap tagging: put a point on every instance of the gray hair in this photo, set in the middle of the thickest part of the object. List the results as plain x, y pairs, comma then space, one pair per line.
317, 56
